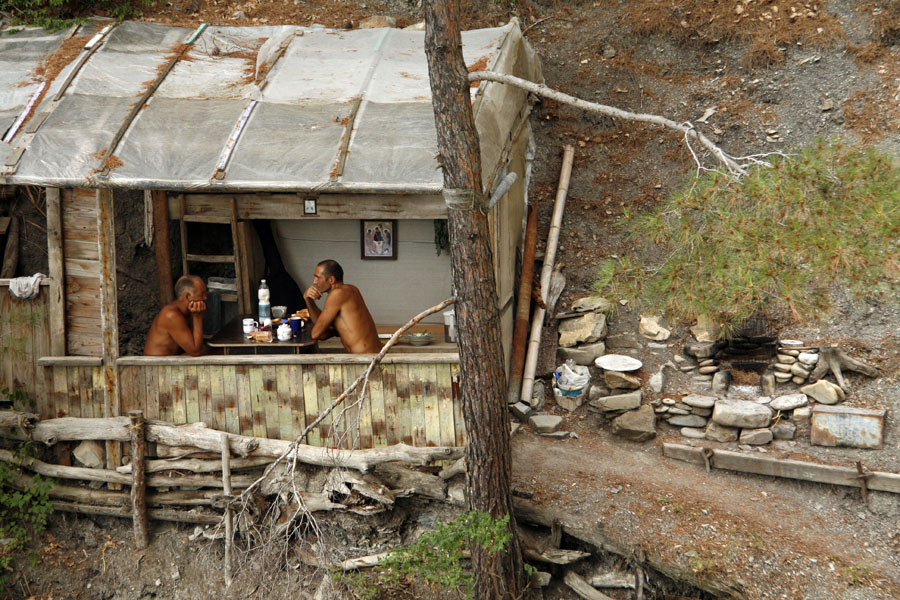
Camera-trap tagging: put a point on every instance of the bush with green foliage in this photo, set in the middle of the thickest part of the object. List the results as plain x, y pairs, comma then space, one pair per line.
23, 515
783, 238
436, 557
56, 14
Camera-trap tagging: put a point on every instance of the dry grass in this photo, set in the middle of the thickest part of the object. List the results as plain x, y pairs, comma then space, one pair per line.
870, 116
767, 27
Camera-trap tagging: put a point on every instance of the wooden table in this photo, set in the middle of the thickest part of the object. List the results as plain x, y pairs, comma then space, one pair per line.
232, 336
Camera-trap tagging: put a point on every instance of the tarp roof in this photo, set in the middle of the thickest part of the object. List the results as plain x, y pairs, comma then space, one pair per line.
302, 88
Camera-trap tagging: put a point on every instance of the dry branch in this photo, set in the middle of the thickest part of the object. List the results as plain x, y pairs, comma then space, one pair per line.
195, 515
583, 588
198, 465
690, 133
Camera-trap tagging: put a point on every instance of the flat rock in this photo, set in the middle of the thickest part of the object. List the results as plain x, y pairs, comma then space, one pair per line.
650, 328
801, 416
784, 430
617, 380
584, 354
687, 421
767, 383
785, 359
669, 401
521, 410
789, 402
742, 413
808, 358
720, 433
636, 425
618, 362
798, 380
623, 341
702, 412
755, 437
90, 453
674, 410
377, 22
692, 432
824, 392
721, 382
708, 370
799, 370
589, 328
593, 304
701, 350
699, 401
628, 401
545, 423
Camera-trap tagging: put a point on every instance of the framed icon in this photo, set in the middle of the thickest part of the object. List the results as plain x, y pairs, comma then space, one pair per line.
378, 240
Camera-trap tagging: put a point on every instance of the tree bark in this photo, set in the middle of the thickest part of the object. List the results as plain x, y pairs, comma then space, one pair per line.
482, 376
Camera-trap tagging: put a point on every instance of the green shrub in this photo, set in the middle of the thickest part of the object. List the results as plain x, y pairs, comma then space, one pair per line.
23, 515
781, 239
436, 557
57, 14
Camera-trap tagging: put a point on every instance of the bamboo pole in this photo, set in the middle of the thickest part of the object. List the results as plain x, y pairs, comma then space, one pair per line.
138, 480
229, 525
523, 308
537, 321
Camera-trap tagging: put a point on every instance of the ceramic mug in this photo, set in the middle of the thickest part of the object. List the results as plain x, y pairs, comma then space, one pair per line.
249, 326
296, 324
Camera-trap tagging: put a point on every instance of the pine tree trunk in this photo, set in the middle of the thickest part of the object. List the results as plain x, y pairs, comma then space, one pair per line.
482, 376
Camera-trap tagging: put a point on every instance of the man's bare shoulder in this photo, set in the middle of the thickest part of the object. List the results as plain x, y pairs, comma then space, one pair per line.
170, 315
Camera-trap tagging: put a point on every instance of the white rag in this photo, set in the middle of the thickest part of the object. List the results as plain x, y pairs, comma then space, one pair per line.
26, 287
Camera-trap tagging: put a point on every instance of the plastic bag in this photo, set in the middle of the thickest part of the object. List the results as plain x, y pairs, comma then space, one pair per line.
571, 379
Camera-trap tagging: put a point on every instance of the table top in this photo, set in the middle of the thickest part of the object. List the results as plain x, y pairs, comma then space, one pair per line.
232, 335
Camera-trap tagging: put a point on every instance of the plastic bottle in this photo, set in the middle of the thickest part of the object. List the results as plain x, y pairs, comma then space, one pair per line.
265, 308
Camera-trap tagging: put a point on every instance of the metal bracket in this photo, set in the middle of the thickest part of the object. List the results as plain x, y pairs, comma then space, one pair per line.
863, 478
707, 454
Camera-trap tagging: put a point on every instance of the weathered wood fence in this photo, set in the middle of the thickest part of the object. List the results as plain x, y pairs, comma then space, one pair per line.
24, 338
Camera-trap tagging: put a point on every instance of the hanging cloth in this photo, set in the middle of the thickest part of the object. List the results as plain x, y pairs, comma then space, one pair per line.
26, 287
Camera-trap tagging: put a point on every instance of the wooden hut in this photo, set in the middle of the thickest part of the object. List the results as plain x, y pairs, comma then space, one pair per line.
316, 130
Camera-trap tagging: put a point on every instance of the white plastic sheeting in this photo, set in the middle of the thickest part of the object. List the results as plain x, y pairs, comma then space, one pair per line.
306, 81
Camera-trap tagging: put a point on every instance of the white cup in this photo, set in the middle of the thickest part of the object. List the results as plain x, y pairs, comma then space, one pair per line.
249, 326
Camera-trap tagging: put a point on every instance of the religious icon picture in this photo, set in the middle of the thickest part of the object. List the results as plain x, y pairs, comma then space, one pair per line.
378, 239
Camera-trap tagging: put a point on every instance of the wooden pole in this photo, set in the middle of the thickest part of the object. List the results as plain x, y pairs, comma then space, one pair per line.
229, 526
523, 308
537, 322
55, 258
109, 318
163, 249
138, 482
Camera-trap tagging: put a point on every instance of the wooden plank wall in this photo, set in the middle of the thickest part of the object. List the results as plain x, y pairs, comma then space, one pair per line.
82, 272
73, 391
24, 337
414, 403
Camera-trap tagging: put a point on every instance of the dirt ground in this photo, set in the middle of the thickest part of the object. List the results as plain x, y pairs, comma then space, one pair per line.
778, 74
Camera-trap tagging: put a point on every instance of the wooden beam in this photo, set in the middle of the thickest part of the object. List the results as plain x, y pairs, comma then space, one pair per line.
163, 248
11, 251
290, 359
329, 206
109, 322
57, 298
790, 469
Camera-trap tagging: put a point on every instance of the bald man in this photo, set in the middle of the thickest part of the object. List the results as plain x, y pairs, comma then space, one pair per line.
178, 328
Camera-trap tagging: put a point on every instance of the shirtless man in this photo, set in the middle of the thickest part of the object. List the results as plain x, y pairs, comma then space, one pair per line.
178, 328
345, 310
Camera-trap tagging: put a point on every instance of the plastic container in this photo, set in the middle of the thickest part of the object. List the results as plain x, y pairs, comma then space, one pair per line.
450, 325
265, 308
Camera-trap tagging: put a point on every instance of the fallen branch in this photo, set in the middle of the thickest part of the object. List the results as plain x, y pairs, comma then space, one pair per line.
583, 588
195, 515
731, 163
197, 465
834, 359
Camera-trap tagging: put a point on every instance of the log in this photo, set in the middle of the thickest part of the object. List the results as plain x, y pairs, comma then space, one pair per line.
555, 556
790, 469
456, 468
109, 476
195, 515
592, 534
405, 482
832, 358
613, 579
583, 588
198, 465
14, 424
139, 480
52, 431
523, 309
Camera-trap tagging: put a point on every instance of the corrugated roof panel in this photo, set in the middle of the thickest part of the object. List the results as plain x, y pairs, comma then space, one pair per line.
118, 74
177, 140
285, 142
139, 38
70, 142
394, 144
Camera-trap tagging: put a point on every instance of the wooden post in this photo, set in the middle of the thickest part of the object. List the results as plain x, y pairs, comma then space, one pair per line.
226, 484
163, 248
109, 319
138, 481
57, 300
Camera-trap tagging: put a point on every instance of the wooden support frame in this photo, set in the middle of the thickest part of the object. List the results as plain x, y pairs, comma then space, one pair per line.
163, 249
109, 323
57, 300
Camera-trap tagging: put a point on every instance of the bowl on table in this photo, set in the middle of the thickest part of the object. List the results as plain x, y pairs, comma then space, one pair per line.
419, 339
278, 311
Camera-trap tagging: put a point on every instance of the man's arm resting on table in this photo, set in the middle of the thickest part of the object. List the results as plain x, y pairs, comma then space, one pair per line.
323, 324
189, 339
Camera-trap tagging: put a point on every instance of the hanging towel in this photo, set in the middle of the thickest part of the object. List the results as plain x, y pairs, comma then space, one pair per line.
26, 287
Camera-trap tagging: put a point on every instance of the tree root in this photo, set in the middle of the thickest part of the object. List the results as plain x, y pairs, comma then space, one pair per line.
834, 359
